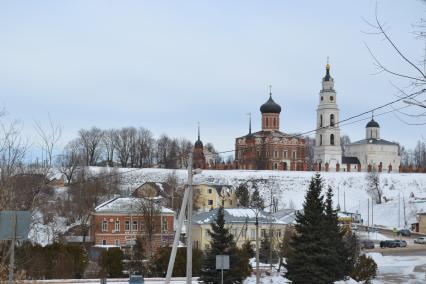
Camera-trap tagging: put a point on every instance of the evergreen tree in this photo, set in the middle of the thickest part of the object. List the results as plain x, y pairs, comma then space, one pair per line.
256, 201
265, 251
284, 248
248, 249
111, 262
337, 260
308, 259
365, 269
222, 243
243, 195
135, 264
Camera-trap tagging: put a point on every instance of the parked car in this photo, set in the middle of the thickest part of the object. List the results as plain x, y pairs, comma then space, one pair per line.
404, 233
136, 279
420, 240
366, 244
389, 244
401, 243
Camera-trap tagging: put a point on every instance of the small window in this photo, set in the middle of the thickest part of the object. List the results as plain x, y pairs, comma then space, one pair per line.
294, 154
127, 225
135, 225
165, 226
117, 243
275, 166
210, 202
275, 121
258, 154
331, 98
332, 139
104, 226
276, 154
141, 226
285, 154
253, 234
104, 242
320, 142
263, 233
322, 98
320, 120
117, 225
266, 121
331, 119
210, 190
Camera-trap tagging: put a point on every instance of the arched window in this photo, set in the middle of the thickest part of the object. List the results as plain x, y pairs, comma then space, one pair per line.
331, 139
320, 142
275, 122
331, 119
320, 120
267, 122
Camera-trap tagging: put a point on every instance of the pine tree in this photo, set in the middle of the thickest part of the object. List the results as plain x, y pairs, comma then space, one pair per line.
222, 243
248, 248
308, 259
337, 261
243, 195
265, 250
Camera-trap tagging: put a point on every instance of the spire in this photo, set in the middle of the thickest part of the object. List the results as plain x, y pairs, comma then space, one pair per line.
270, 90
327, 70
198, 131
249, 114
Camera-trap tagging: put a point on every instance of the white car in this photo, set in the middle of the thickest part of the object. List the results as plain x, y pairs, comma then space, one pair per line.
420, 240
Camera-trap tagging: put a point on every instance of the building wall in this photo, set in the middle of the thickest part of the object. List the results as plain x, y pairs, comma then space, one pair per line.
204, 193
120, 237
201, 238
422, 223
374, 154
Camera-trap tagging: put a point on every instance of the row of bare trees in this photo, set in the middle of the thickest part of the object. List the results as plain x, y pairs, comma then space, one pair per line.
124, 147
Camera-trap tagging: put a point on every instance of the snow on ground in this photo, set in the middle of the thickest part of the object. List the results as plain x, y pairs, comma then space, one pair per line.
290, 188
400, 269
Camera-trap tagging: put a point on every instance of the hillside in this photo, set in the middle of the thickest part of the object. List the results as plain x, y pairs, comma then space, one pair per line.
290, 187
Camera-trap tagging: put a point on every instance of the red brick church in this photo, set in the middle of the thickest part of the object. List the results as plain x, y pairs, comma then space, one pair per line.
270, 149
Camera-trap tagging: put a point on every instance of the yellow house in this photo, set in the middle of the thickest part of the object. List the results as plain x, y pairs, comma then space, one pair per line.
211, 196
241, 223
421, 218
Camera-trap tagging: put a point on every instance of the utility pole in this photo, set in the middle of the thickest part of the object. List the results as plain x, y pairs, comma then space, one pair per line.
372, 212
178, 229
399, 210
189, 225
368, 215
344, 199
257, 249
12, 250
405, 220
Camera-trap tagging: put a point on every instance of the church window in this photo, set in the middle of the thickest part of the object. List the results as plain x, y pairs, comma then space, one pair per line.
322, 98
321, 120
331, 119
266, 122
332, 139
320, 142
331, 98
275, 121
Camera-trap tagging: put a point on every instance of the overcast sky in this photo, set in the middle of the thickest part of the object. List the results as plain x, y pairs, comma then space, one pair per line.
164, 65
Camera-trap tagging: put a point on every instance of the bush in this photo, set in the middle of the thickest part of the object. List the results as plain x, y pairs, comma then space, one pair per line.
365, 269
111, 262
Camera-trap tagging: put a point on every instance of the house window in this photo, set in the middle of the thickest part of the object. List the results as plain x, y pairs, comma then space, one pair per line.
127, 225
210, 190
135, 225
332, 139
104, 242
117, 225
331, 119
258, 154
294, 154
285, 154
263, 233
210, 202
279, 233
141, 226
275, 166
276, 154
253, 234
104, 225
165, 226
117, 243
207, 232
230, 202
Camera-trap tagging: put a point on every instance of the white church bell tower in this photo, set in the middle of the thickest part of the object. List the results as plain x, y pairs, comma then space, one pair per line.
327, 151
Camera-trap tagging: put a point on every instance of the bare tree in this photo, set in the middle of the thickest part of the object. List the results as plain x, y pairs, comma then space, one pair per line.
49, 136
71, 160
108, 145
150, 211
373, 185
145, 147
91, 140
123, 140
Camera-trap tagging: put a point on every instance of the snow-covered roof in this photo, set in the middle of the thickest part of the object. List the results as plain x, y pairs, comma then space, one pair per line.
236, 215
127, 205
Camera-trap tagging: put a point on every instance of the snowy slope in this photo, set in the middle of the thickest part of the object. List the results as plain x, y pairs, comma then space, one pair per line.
290, 188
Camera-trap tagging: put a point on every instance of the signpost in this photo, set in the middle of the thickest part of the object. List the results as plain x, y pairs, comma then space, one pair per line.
14, 225
222, 262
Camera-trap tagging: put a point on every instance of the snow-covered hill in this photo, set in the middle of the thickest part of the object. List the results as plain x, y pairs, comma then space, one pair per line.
290, 187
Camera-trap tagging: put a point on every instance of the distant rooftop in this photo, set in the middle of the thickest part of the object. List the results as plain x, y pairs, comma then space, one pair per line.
127, 205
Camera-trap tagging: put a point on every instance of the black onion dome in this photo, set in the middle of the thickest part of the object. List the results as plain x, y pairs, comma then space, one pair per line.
327, 73
372, 123
198, 144
270, 106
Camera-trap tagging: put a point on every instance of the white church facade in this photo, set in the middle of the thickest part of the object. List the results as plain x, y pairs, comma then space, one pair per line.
363, 155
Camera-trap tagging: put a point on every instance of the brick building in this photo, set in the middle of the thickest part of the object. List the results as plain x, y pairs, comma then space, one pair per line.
120, 221
270, 149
